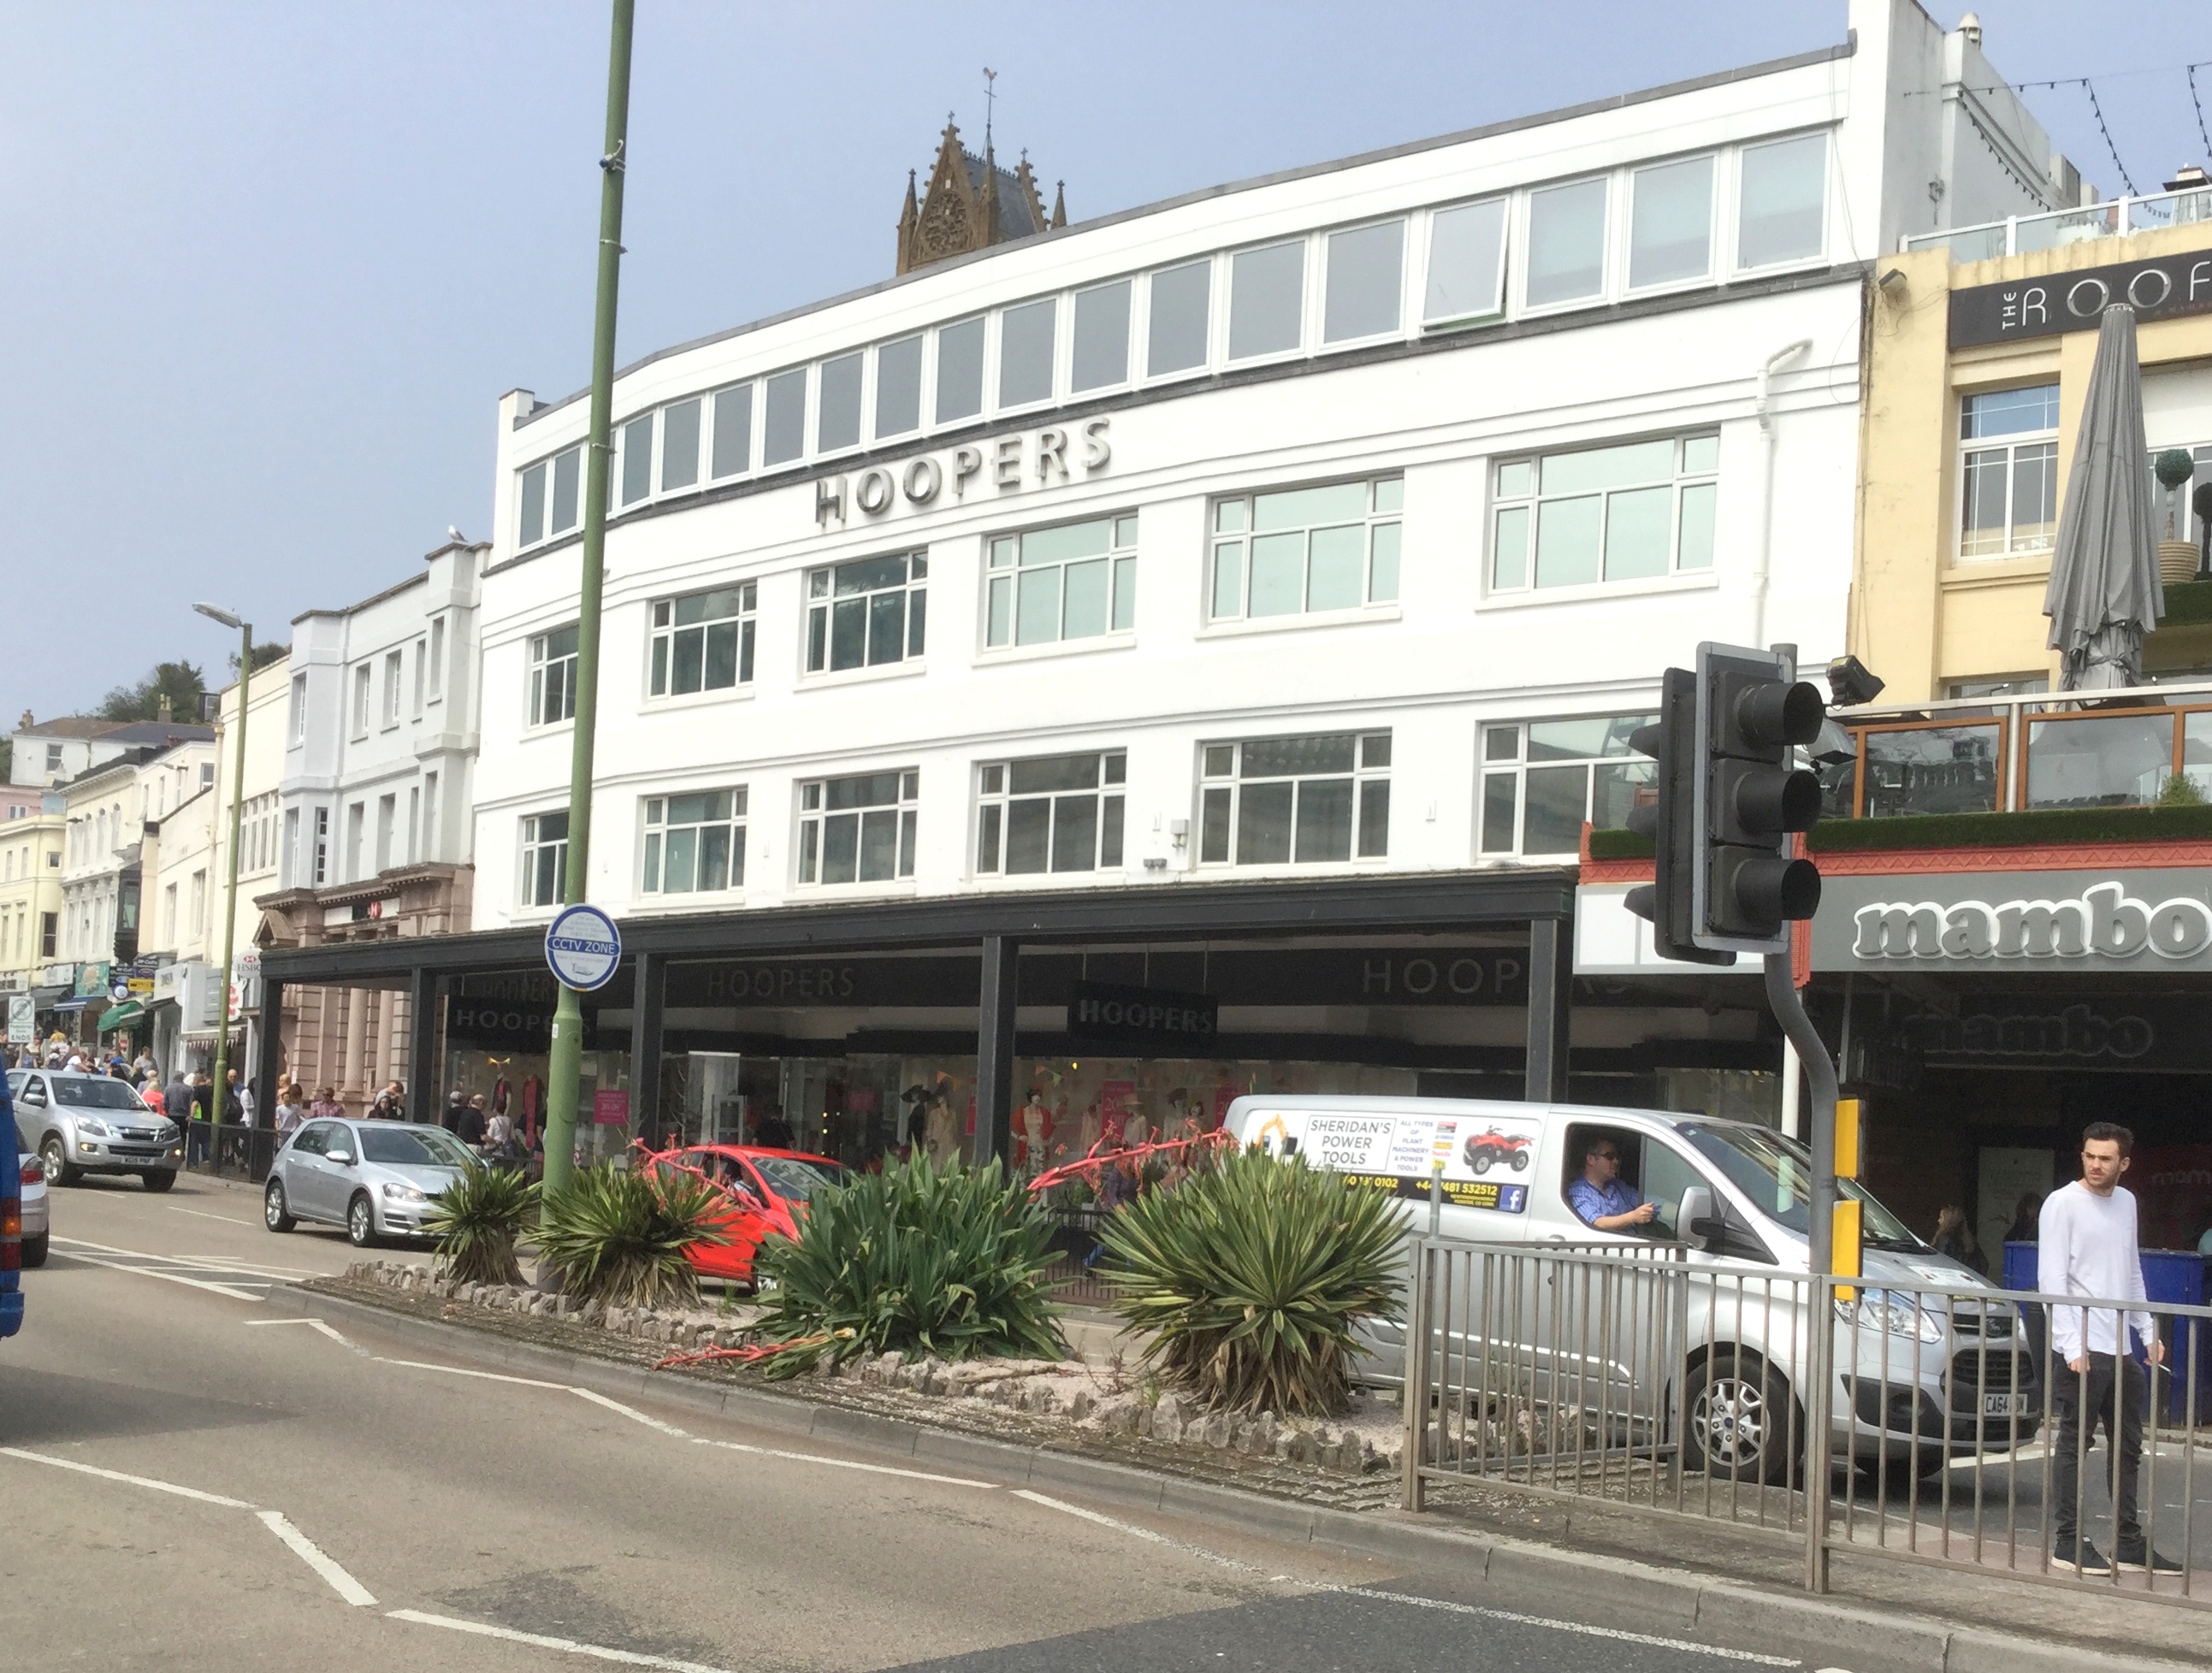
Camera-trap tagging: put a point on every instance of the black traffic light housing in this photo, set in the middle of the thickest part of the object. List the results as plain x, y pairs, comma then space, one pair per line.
1672, 742
1750, 797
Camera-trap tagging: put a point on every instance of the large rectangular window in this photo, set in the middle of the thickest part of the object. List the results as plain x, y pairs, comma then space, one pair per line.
1670, 231
1026, 339
550, 498
1783, 205
733, 431
2009, 472
1101, 337
1566, 243
1300, 550
437, 658
1542, 780
361, 678
1050, 814
1626, 513
784, 430
1467, 263
863, 614
695, 844
545, 858
679, 445
1075, 581
858, 829
394, 665
1181, 298
1267, 300
1274, 802
898, 387
637, 460
299, 708
959, 371
838, 422
1366, 281
553, 676
703, 641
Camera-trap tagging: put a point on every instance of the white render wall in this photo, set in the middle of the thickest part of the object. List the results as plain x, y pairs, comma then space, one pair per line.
1448, 656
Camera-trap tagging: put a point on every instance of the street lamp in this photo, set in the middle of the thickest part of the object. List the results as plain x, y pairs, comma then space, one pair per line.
230, 619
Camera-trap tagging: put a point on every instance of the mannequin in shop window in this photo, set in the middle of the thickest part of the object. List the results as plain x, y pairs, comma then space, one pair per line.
941, 1130
1086, 1134
1034, 1128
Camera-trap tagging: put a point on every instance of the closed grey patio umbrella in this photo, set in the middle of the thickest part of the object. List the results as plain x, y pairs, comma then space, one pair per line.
2104, 592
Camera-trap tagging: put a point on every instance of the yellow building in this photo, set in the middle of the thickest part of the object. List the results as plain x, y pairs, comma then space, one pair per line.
30, 890
1975, 376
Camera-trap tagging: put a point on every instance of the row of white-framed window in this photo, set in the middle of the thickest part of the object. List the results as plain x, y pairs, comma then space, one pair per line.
1640, 229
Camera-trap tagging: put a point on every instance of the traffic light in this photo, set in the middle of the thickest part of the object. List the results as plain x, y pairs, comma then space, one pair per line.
1746, 886
1672, 743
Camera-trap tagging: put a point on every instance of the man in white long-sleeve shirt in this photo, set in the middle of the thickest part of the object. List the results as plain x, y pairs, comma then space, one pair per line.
2087, 1247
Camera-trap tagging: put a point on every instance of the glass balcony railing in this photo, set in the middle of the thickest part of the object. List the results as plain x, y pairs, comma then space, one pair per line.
2112, 219
2010, 754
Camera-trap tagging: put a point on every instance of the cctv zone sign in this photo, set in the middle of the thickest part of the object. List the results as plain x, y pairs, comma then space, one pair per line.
2108, 925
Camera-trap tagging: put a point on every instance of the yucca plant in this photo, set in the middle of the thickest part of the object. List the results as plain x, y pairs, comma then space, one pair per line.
476, 1220
917, 1258
624, 1236
1247, 1275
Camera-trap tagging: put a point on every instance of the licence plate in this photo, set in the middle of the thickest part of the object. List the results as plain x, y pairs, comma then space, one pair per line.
2005, 1405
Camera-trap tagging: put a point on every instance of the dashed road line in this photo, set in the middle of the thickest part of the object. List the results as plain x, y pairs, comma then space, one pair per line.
204, 1214
317, 1559
597, 1651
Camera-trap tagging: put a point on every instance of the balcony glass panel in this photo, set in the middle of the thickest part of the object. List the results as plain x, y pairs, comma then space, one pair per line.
2196, 750
2098, 760
1932, 770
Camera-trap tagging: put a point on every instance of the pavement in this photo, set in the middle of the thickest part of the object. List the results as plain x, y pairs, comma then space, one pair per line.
202, 1468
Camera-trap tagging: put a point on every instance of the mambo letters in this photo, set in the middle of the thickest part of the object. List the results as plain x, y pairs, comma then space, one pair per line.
1036, 458
2106, 922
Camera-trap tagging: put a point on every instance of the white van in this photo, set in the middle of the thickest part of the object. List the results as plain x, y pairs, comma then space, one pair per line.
1727, 1197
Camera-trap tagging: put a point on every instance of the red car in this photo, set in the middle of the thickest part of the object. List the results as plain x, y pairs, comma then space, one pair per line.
1485, 1150
766, 1187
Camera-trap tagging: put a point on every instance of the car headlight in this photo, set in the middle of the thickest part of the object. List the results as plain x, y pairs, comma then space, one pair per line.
403, 1194
1878, 1310
165, 1133
88, 1128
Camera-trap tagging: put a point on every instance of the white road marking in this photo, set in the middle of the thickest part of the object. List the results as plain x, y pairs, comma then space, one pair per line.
1575, 1626
629, 1411
627, 1658
844, 1463
317, 1559
133, 1480
204, 1214
232, 1291
1131, 1529
462, 1371
313, 1324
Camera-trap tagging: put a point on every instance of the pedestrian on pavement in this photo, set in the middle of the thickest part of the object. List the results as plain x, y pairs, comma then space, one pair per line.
2088, 1248
395, 1095
498, 1139
2024, 1217
456, 1101
234, 1104
1955, 1240
288, 1112
474, 1123
326, 1106
150, 1096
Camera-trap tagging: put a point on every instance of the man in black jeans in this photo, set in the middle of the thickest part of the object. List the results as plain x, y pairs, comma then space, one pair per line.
2088, 1248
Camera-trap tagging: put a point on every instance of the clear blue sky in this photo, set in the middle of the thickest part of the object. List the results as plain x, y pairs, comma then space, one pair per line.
269, 266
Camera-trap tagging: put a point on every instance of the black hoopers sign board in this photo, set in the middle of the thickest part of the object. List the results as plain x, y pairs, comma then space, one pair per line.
1104, 1014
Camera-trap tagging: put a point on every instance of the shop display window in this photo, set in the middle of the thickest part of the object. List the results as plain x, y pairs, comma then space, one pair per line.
1295, 800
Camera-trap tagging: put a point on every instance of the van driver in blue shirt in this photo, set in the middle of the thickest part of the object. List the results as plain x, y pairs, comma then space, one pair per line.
1601, 1197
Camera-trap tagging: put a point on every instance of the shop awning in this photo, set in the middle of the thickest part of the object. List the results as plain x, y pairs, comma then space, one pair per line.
121, 1016
46, 996
76, 1004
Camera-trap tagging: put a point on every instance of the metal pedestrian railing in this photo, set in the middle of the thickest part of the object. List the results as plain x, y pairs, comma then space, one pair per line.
231, 1149
1922, 1423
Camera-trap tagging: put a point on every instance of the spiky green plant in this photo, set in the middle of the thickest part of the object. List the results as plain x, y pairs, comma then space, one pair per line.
1247, 1277
917, 1258
624, 1236
477, 1219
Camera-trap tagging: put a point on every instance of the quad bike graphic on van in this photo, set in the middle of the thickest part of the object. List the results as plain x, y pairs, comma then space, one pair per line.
1488, 1148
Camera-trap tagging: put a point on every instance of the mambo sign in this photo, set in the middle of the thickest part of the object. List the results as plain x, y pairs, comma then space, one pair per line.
2073, 300
1109, 1015
1033, 458
2104, 922
1482, 1162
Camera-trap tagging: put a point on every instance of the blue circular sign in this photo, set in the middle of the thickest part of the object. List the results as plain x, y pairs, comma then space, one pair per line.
583, 947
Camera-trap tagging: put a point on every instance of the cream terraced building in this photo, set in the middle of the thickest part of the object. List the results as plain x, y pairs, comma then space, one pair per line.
1106, 603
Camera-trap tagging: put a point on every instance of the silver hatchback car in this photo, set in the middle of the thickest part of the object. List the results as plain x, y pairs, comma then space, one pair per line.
376, 1178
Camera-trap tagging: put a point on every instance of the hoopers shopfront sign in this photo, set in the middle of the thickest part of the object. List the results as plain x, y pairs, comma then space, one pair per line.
1006, 465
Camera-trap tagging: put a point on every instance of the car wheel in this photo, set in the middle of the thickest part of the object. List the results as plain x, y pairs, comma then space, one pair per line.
34, 1250
1482, 1162
1741, 1420
361, 1222
274, 1213
159, 1179
55, 1154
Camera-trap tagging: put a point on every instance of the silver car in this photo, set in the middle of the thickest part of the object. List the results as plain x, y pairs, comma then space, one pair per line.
90, 1123
376, 1178
35, 1223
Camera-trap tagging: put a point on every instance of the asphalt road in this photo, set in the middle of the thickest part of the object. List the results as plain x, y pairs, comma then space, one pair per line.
189, 1481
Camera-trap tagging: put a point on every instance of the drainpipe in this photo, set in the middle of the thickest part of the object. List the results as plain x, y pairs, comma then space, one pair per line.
1761, 407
